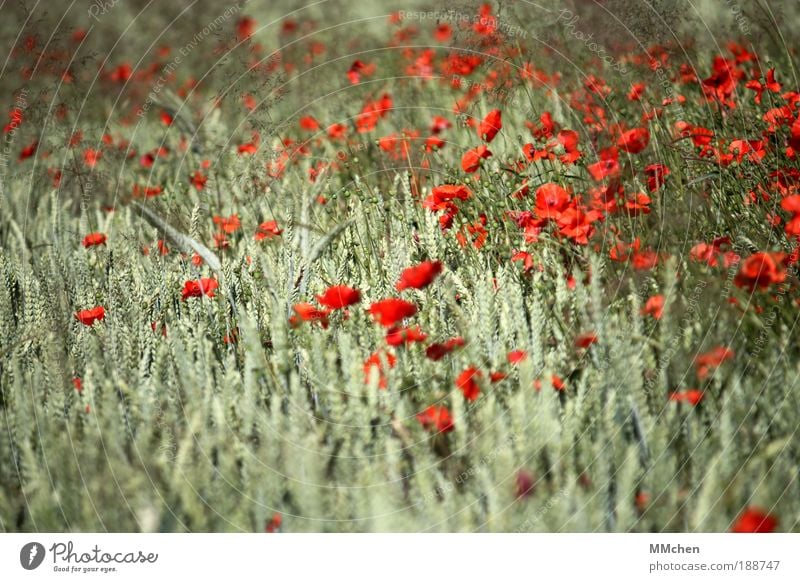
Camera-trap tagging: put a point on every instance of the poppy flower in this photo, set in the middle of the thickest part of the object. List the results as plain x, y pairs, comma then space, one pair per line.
89, 316
568, 138
391, 311
441, 197
397, 336
438, 351
308, 123
491, 124
655, 176
307, 312
634, 140
248, 148
339, 297
245, 28
555, 381
525, 483
91, 156
585, 340
440, 124
274, 523
467, 382
419, 276
712, 360
433, 143
754, 520
517, 356
654, 307
228, 224
28, 151
551, 200
436, 418
267, 229
761, 270
576, 223
197, 288
377, 360
199, 180
607, 166
93, 239
692, 396
471, 160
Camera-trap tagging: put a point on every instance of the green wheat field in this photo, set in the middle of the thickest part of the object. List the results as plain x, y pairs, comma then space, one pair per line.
498, 267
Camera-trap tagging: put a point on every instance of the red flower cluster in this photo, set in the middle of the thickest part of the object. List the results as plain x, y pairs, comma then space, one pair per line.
89, 316
199, 287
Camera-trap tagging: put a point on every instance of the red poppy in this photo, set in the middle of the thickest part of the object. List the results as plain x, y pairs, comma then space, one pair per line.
655, 176
245, 28
267, 229
634, 140
654, 307
439, 124
585, 340
467, 382
555, 381
441, 197
199, 287
551, 200
91, 157
308, 123
438, 351
274, 523
93, 239
692, 396
377, 360
471, 160
754, 520
576, 223
569, 140
761, 270
89, 316
307, 312
28, 151
607, 166
517, 356
199, 180
525, 483
397, 336
339, 297
491, 124
391, 311
419, 276
711, 360
433, 143
228, 224
436, 418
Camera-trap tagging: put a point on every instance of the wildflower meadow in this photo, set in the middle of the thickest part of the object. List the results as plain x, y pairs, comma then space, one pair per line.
476, 267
